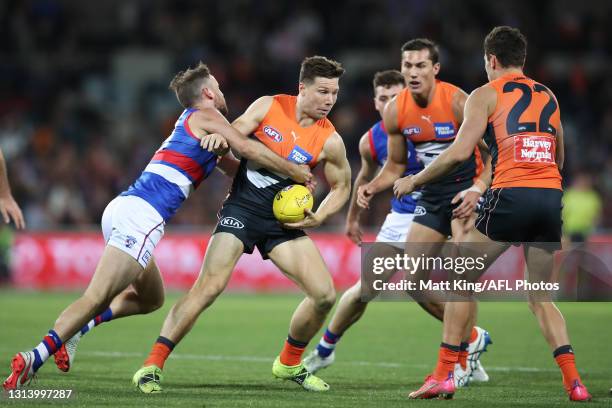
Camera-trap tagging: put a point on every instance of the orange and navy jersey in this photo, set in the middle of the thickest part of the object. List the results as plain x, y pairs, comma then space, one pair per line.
433, 128
521, 134
281, 133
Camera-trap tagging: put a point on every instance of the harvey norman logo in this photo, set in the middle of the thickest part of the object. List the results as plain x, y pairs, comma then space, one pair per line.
534, 149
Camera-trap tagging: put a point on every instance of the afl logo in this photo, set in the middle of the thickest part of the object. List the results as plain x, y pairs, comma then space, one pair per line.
231, 222
413, 130
273, 134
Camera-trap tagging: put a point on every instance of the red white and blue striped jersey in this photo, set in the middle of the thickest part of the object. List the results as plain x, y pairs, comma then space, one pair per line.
177, 167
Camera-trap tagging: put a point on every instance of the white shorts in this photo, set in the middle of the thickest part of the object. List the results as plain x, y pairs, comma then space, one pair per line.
395, 229
132, 225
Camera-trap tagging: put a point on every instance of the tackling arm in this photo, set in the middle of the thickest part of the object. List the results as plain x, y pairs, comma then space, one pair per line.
211, 121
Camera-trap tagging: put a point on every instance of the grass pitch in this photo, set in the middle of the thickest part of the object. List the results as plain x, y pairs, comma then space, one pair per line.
226, 360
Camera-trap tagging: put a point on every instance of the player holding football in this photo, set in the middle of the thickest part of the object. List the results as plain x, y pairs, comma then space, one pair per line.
428, 113
521, 124
126, 280
295, 127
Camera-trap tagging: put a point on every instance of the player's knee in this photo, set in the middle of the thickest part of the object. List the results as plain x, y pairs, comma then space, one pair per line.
325, 301
155, 302
535, 306
209, 288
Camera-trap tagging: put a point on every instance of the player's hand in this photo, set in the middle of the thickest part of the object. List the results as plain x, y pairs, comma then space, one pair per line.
311, 185
301, 173
469, 200
311, 220
10, 210
215, 143
364, 195
403, 186
353, 231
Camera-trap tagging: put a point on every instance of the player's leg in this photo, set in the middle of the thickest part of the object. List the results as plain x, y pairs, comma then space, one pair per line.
115, 271
223, 252
424, 240
300, 260
457, 320
552, 323
476, 339
351, 307
144, 295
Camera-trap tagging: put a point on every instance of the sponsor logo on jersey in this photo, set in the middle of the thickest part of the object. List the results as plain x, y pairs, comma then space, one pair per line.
419, 210
130, 241
273, 133
444, 130
533, 149
299, 156
412, 130
231, 222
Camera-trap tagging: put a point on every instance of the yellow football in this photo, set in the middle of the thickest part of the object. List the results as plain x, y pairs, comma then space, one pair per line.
290, 202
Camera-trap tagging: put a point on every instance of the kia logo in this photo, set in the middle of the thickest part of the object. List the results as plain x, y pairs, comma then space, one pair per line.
231, 222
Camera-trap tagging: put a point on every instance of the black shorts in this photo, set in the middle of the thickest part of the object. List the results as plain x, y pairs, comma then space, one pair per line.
434, 208
253, 228
522, 214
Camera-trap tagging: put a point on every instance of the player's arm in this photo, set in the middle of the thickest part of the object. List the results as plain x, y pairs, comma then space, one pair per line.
8, 206
338, 174
228, 164
395, 165
212, 121
366, 173
477, 110
469, 197
560, 153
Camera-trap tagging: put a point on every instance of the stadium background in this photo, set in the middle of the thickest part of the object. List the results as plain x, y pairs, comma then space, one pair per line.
84, 103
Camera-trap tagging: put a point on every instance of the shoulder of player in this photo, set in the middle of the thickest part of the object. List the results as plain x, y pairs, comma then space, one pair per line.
263, 103
334, 147
202, 117
366, 145
483, 96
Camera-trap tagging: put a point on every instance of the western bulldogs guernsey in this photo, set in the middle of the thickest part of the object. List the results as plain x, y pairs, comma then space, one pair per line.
378, 147
178, 166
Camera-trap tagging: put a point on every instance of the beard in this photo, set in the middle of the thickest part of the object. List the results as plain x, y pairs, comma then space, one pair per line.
221, 106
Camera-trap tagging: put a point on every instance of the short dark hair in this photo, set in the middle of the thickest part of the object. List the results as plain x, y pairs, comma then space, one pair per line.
508, 44
319, 66
188, 84
419, 44
388, 78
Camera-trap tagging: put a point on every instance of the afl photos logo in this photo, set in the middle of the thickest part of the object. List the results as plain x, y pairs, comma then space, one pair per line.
231, 222
273, 133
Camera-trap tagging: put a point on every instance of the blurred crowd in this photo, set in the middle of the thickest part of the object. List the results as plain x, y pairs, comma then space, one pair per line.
84, 100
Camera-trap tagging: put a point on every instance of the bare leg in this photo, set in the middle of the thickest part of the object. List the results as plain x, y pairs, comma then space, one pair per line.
115, 271
223, 252
143, 296
422, 240
301, 261
550, 319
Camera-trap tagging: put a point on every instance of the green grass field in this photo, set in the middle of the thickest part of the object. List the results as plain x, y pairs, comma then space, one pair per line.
226, 360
